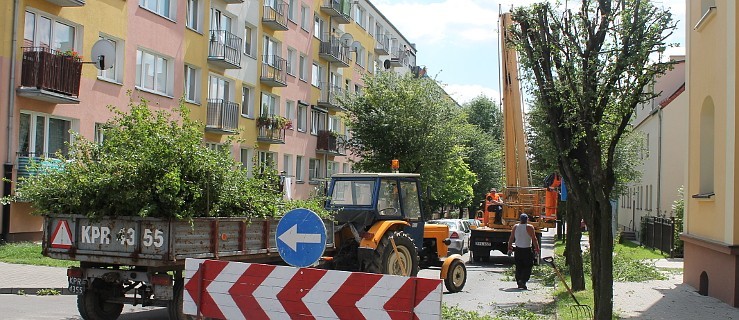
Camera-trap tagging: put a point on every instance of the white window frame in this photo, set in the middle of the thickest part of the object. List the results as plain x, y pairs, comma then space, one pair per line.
332, 168
169, 74
247, 161
314, 170
194, 17
156, 7
290, 112
291, 10
291, 54
287, 164
319, 26
317, 119
249, 40
304, 18
192, 76
360, 15
316, 74
272, 106
263, 156
33, 130
115, 73
53, 20
247, 102
345, 168
219, 87
299, 169
302, 117
302, 68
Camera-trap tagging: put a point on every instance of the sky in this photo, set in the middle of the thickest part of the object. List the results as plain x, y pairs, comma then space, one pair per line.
457, 40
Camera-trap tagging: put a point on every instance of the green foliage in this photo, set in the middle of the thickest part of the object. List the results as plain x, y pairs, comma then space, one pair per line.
483, 145
149, 164
30, 253
631, 270
412, 120
47, 292
456, 313
314, 204
678, 209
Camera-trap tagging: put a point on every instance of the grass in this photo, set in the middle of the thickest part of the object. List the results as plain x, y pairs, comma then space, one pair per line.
30, 253
518, 312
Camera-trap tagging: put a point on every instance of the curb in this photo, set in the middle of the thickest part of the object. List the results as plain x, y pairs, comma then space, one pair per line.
33, 291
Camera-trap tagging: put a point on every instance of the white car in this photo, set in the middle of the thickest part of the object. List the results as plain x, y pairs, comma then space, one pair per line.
459, 234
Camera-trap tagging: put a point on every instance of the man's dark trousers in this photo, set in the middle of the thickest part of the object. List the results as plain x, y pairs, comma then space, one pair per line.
524, 258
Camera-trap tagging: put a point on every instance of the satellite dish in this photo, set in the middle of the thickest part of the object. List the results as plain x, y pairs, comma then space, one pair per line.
386, 64
355, 46
346, 39
103, 54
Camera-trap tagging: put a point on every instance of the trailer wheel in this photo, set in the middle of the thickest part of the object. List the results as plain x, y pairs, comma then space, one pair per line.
385, 261
456, 276
92, 304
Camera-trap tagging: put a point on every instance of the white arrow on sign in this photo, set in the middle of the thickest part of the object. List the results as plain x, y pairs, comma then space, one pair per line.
291, 237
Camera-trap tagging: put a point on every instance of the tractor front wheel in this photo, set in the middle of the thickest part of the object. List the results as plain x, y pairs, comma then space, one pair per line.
386, 260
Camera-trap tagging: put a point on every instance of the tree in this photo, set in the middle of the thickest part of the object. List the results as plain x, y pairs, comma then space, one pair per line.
485, 155
589, 68
412, 120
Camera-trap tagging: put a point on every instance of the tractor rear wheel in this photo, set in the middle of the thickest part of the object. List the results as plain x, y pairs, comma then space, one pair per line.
384, 259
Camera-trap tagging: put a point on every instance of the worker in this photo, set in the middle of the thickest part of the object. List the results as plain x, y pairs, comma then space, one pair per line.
524, 236
495, 201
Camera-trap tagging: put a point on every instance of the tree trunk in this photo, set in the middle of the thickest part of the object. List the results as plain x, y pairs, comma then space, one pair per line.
601, 239
573, 251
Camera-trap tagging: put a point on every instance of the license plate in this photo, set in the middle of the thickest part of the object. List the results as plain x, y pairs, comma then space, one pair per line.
483, 244
77, 285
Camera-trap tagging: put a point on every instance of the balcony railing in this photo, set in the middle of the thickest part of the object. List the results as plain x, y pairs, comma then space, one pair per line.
68, 3
233, 1
271, 129
329, 94
50, 75
223, 116
274, 71
331, 143
30, 164
224, 49
274, 17
339, 10
332, 50
382, 46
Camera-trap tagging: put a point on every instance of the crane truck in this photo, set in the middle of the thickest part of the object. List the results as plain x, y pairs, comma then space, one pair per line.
519, 196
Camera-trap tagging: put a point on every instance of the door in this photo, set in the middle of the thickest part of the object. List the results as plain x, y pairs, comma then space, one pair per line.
411, 204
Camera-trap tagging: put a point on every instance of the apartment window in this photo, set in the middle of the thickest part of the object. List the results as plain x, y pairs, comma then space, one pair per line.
165, 8
361, 56
317, 120
247, 156
334, 124
267, 160
370, 59
42, 135
346, 168
314, 170
272, 49
347, 85
192, 85
332, 168
302, 117
290, 110
153, 72
48, 32
371, 25
301, 68
287, 164
359, 14
219, 21
316, 74
248, 41
219, 88
291, 57
193, 14
99, 133
304, 18
115, 73
247, 102
318, 27
299, 168
291, 10
269, 105
357, 89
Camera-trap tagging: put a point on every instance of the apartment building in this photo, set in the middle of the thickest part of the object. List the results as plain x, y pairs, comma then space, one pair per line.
266, 72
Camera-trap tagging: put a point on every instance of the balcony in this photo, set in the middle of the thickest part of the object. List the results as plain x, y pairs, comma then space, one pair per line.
382, 46
29, 164
331, 143
68, 3
274, 17
224, 49
223, 117
339, 10
271, 129
233, 1
274, 71
50, 75
328, 99
334, 51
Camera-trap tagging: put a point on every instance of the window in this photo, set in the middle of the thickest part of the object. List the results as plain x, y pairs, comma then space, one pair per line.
247, 156
219, 21
48, 32
371, 25
291, 10
99, 132
359, 17
271, 51
115, 73
361, 56
41, 135
269, 105
302, 115
318, 27
301, 68
192, 85
290, 110
316, 74
346, 168
248, 41
219, 88
299, 168
411, 203
193, 14
370, 59
287, 164
314, 170
267, 160
317, 119
707, 147
304, 18
334, 124
332, 167
291, 56
153, 72
165, 8
247, 104
357, 89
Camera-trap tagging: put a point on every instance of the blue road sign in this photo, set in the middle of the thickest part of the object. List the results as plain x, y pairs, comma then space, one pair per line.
301, 237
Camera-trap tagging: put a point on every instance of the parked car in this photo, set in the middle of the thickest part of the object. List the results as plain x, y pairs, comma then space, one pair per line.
459, 234
474, 222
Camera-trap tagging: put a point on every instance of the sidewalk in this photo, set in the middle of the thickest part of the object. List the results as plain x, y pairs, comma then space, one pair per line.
29, 279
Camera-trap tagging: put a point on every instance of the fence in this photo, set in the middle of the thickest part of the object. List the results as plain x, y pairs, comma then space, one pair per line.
658, 233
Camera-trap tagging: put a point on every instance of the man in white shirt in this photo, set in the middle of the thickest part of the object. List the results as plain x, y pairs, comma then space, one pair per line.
524, 236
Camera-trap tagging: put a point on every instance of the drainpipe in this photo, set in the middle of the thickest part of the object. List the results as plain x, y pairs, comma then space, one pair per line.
659, 162
8, 167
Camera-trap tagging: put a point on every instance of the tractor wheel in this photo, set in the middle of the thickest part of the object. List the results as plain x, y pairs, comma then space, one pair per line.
456, 276
92, 304
385, 261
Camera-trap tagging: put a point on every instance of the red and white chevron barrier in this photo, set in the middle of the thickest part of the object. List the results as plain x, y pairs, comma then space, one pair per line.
235, 290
